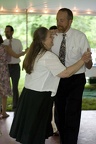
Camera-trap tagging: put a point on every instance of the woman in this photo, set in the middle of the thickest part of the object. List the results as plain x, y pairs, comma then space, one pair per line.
5, 89
43, 72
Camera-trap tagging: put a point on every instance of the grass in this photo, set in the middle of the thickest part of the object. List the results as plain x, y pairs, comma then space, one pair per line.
9, 104
89, 104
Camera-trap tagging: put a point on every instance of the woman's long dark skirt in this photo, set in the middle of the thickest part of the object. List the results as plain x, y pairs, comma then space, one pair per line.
31, 117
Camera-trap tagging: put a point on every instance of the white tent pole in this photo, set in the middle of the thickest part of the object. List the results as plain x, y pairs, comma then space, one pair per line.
26, 28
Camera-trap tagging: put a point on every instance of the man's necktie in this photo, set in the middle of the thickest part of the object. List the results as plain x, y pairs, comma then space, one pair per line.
62, 51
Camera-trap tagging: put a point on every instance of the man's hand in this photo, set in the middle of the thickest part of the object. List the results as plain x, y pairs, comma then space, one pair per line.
87, 58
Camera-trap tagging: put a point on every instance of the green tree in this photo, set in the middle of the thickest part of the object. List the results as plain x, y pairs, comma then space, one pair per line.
86, 24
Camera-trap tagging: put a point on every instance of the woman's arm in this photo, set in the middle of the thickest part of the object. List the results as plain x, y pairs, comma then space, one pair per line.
12, 53
69, 71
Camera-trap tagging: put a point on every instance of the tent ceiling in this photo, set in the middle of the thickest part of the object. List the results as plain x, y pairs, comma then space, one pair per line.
51, 6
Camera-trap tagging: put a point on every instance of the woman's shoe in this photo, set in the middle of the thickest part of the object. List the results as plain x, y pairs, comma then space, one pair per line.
5, 116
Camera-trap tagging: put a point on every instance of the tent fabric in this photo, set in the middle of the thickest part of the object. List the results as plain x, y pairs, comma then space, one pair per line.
51, 6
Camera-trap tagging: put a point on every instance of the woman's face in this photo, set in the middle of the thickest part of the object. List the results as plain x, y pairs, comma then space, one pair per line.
48, 43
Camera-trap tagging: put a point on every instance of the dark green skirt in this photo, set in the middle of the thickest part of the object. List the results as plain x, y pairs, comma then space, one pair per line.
30, 123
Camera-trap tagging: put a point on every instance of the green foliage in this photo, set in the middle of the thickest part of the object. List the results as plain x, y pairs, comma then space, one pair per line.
86, 24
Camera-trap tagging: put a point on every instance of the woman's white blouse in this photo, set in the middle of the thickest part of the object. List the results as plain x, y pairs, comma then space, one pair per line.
44, 76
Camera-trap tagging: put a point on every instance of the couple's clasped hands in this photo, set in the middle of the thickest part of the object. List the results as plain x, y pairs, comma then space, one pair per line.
86, 57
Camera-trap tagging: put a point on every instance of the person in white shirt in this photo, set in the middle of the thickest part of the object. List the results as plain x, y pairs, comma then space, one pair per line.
13, 65
43, 71
69, 95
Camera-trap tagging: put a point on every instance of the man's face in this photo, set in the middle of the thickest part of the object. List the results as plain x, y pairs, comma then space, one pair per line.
8, 33
63, 23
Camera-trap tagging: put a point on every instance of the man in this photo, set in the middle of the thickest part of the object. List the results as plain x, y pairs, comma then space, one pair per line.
14, 67
69, 95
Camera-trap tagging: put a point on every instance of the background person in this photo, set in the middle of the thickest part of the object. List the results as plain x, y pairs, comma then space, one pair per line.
13, 65
43, 72
69, 95
0, 106
53, 29
5, 89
